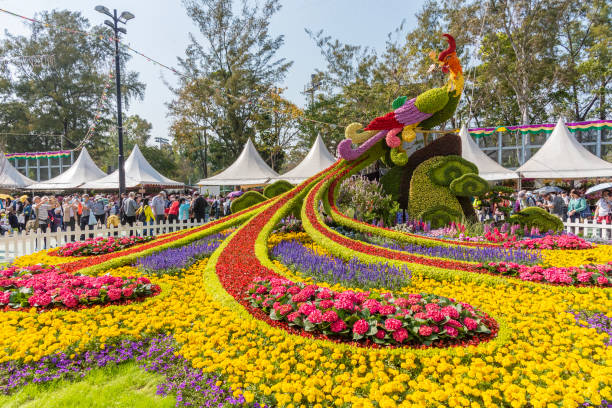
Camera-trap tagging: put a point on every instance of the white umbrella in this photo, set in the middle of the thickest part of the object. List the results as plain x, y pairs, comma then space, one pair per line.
598, 187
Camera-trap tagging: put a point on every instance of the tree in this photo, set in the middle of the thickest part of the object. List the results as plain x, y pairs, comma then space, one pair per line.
231, 72
276, 128
60, 97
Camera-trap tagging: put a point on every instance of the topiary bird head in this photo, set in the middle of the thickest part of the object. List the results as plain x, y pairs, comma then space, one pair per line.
448, 62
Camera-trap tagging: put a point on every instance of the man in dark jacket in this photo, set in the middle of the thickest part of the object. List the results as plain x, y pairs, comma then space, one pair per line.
199, 207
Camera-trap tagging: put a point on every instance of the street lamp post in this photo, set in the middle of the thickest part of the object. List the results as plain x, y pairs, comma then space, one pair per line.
123, 18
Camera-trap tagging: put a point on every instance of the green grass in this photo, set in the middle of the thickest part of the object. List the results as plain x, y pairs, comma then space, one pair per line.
125, 385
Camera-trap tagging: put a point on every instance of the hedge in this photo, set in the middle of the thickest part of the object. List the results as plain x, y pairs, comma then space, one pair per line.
537, 217
277, 188
247, 200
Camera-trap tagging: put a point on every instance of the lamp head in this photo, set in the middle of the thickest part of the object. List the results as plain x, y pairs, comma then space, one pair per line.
103, 10
122, 30
109, 23
126, 15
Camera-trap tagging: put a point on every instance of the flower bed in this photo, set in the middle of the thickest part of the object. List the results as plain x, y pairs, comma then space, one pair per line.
551, 242
99, 246
459, 253
325, 268
54, 288
157, 354
175, 260
586, 275
413, 319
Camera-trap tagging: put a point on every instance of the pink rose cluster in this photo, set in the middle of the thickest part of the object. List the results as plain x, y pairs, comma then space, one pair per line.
415, 319
551, 242
55, 288
99, 246
586, 275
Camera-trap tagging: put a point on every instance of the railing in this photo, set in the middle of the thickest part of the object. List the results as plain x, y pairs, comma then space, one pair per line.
589, 229
17, 244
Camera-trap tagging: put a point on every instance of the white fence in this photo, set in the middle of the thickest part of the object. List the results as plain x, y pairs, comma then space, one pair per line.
589, 229
21, 243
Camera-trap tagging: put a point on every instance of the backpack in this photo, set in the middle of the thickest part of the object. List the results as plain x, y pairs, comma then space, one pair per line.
141, 214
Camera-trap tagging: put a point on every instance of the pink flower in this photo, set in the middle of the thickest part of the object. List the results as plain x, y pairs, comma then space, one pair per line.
292, 316
416, 308
330, 316
325, 294
326, 304
284, 309
400, 335
294, 290
307, 309
127, 292
470, 323
380, 334
315, 317
392, 324
338, 326
450, 312
451, 331
387, 310
425, 331
372, 305
602, 280
454, 323
361, 327
261, 290
114, 294
420, 315
435, 315
278, 290
344, 304
402, 302
4, 297
70, 300
432, 306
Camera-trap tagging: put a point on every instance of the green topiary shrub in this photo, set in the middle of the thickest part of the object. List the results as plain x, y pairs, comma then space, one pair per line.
449, 169
469, 185
443, 146
246, 200
277, 188
391, 182
539, 218
440, 215
426, 195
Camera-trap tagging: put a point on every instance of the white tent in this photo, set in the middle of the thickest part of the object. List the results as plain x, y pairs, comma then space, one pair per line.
249, 168
138, 173
10, 177
82, 170
563, 157
488, 168
317, 160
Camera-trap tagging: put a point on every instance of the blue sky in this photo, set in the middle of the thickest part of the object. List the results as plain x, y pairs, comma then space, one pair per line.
161, 30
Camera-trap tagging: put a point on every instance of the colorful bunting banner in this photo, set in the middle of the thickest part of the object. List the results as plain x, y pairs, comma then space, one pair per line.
38, 155
543, 128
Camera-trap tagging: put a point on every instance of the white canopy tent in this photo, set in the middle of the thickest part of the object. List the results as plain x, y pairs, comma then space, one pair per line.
488, 168
138, 173
563, 157
317, 160
82, 170
249, 168
10, 177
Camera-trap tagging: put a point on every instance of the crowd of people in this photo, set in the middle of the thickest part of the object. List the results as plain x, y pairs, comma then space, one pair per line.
57, 212
571, 206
